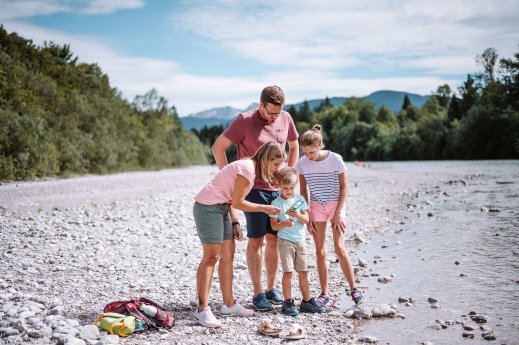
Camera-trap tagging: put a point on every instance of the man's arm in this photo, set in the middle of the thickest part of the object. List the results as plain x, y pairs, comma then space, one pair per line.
218, 149
293, 153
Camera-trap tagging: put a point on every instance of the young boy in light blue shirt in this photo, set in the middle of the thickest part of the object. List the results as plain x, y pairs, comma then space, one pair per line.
290, 224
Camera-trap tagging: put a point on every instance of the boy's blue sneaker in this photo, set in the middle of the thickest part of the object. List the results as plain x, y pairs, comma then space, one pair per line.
274, 296
323, 299
311, 306
260, 302
289, 308
357, 297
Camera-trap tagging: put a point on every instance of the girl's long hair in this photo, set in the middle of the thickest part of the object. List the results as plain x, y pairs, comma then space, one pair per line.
267, 153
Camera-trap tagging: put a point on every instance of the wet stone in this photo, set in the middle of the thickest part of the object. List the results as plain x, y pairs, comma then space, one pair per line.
488, 335
480, 318
368, 339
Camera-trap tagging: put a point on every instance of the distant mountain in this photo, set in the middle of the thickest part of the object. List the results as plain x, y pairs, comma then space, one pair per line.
224, 115
394, 99
213, 117
217, 113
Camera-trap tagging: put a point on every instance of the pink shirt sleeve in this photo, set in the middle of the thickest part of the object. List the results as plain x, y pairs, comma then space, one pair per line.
220, 189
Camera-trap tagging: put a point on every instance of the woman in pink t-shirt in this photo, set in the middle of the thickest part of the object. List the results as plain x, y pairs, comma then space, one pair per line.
216, 231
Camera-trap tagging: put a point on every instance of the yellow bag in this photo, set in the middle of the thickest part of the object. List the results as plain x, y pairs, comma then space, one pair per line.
118, 324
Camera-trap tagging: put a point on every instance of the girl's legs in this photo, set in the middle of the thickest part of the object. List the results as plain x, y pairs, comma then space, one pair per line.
320, 253
344, 259
286, 285
225, 271
303, 285
204, 273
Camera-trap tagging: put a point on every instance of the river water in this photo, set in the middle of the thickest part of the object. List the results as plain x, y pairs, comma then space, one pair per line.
459, 245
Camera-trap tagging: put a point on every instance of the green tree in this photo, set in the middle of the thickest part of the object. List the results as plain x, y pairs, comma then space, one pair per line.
407, 103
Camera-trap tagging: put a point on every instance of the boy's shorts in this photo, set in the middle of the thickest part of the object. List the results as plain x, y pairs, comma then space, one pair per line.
322, 213
258, 223
294, 256
213, 222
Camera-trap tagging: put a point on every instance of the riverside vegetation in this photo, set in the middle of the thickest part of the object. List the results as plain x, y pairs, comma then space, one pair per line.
60, 117
480, 121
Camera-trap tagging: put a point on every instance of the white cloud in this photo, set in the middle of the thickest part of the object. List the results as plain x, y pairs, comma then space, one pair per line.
305, 43
18, 9
335, 34
110, 6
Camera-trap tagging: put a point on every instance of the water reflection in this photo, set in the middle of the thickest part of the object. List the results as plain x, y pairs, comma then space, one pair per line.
476, 224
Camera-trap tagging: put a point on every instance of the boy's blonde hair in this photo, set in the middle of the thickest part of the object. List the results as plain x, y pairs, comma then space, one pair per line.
286, 176
267, 153
312, 137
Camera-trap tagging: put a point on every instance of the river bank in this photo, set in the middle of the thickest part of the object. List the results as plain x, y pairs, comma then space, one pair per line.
79, 243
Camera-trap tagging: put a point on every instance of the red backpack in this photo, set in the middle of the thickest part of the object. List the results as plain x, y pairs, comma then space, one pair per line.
162, 318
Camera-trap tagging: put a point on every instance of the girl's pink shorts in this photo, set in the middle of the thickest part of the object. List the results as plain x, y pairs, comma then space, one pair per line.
322, 213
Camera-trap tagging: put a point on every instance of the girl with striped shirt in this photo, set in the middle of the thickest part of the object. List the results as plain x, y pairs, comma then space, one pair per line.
323, 172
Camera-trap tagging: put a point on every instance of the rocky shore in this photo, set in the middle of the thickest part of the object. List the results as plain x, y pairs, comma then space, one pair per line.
68, 247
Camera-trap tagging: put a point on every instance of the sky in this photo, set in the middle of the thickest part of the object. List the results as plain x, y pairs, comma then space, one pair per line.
201, 54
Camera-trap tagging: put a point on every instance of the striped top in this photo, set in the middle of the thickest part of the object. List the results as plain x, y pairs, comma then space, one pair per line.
322, 177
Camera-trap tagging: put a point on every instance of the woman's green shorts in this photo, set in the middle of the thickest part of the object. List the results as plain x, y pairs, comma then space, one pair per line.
213, 222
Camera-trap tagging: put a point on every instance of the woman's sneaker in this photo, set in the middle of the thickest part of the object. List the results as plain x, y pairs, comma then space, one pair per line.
323, 299
235, 310
311, 306
357, 297
206, 318
289, 308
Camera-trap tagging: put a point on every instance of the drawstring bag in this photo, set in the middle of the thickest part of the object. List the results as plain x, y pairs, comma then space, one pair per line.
117, 324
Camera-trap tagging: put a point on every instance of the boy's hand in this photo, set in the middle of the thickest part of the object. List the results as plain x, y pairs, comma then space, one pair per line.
294, 213
287, 223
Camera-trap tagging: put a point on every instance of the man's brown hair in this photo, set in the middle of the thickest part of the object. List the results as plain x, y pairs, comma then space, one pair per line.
272, 94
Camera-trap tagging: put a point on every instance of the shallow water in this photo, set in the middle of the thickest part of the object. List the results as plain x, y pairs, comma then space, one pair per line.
450, 249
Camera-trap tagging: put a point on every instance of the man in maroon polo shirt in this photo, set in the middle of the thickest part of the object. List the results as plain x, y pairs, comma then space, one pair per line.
248, 131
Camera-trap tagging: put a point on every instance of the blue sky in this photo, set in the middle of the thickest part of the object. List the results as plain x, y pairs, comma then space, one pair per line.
204, 54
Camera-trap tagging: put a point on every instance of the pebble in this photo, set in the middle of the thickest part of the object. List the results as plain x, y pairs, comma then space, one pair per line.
480, 318
368, 339
119, 236
384, 280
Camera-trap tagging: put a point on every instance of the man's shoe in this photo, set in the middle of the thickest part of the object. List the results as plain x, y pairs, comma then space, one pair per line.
260, 302
311, 306
289, 308
206, 318
274, 296
357, 297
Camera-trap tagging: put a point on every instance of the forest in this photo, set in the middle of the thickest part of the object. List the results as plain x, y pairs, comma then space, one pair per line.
479, 121
59, 117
